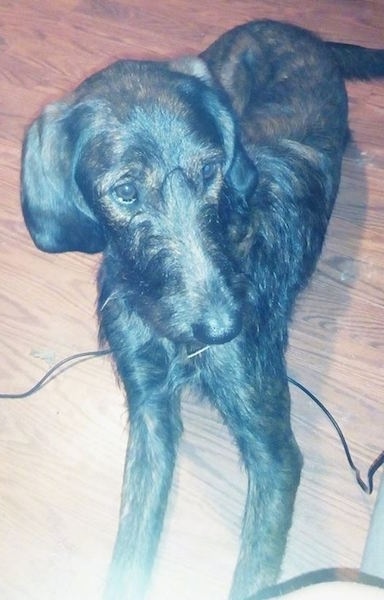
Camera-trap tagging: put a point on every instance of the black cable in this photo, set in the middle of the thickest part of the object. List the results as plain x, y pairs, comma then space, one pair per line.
377, 463
81, 356
74, 358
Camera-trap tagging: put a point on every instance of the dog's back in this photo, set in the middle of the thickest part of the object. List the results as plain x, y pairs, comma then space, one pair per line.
282, 84
287, 88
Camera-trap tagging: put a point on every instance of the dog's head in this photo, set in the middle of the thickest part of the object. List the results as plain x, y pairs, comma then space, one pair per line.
142, 161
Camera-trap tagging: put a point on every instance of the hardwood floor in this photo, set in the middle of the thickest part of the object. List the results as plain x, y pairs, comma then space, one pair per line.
62, 450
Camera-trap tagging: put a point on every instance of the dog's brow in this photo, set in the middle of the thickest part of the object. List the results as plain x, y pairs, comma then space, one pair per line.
175, 128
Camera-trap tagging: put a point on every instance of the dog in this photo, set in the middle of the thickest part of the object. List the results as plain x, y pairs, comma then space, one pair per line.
207, 183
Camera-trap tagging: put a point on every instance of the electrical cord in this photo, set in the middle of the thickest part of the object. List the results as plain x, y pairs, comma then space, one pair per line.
54, 371
81, 356
377, 463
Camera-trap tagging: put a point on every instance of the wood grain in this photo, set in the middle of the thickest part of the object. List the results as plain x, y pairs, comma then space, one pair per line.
62, 451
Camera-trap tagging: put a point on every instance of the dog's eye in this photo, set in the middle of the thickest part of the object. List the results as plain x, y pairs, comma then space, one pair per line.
125, 192
209, 170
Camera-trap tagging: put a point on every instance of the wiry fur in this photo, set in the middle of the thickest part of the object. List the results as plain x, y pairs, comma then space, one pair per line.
208, 184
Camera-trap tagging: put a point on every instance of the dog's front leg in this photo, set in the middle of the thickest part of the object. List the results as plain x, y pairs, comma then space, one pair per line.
147, 480
250, 390
273, 475
154, 430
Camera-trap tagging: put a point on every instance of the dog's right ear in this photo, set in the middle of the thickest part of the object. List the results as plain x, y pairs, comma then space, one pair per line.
55, 212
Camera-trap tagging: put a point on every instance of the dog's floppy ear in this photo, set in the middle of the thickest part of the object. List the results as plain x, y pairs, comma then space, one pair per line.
241, 173
192, 65
55, 212
242, 176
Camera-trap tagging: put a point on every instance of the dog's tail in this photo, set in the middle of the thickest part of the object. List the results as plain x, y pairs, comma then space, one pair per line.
357, 62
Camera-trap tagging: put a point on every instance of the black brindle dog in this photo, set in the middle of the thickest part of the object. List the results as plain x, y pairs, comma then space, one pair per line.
208, 184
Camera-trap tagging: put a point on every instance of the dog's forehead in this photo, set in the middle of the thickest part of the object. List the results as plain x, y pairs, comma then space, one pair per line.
171, 129
148, 96
147, 112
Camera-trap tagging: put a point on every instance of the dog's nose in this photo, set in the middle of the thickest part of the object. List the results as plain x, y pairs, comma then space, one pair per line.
217, 329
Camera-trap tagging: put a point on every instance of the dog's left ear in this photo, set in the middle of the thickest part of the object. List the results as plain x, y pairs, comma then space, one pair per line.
240, 172
242, 176
192, 65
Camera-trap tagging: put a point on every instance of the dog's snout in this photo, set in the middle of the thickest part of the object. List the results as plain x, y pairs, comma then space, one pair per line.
217, 328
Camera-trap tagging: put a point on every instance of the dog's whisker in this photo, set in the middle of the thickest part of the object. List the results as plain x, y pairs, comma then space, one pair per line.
111, 297
197, 352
